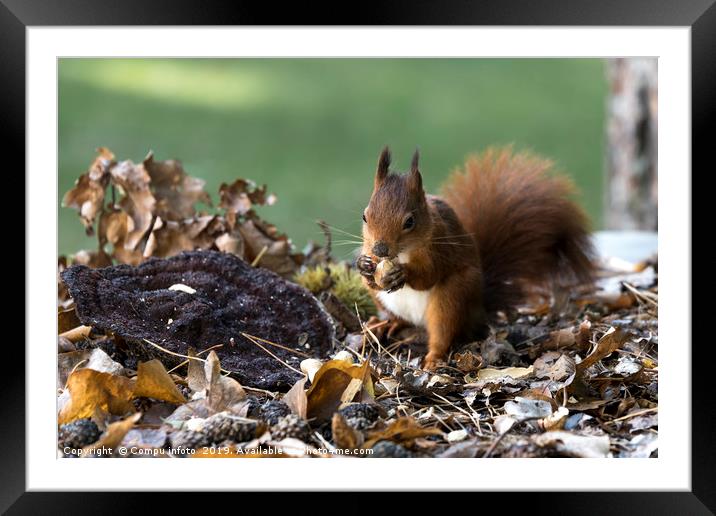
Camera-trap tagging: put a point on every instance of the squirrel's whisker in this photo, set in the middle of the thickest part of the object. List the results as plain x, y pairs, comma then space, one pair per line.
343, 231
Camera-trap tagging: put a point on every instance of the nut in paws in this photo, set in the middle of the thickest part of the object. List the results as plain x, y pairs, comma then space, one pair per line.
390, 276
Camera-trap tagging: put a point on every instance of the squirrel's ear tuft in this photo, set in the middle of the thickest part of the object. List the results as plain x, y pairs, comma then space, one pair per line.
416, 179
414, 162
383, 163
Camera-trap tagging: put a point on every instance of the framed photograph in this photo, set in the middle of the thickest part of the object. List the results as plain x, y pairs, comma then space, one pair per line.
442, 239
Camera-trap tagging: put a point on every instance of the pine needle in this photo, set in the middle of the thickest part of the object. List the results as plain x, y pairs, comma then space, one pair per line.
271, 354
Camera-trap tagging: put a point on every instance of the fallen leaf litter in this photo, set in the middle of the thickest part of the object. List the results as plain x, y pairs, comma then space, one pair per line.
204, 352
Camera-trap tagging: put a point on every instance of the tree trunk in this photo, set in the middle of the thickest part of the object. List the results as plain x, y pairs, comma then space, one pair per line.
631, 189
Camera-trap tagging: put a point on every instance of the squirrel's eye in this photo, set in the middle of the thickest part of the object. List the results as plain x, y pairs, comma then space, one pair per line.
364, 219
409, 223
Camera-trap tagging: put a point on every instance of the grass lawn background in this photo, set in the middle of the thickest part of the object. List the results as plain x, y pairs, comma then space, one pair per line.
312, 128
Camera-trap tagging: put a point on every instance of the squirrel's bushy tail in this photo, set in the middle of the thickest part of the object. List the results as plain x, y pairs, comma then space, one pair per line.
527, 228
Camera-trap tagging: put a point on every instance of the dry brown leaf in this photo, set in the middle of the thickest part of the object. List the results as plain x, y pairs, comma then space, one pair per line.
239, 197
333, 383
104, 160
555, 421
213, 392
170, 237
354, 387
65, 345
195, 376
296, 398
584, 335
610, 342
93, 259
559, 339
114, 227
138, 201
87, 197
512, 372
67, 363
175, 191
230, 243
344, 435
90, 389
402, 431
222, 392
66, 320
235, 200
504, 423
153, 381
556, 367
112, 437
467, 361
64, 301
527, 408
574, 445
145, 437
94, 359
276, 257
77, 333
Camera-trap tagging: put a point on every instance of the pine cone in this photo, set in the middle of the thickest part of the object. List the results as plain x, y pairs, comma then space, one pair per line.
189, 439
360, 415
78, 434
291, 426
273, 410
389, 449
224, 426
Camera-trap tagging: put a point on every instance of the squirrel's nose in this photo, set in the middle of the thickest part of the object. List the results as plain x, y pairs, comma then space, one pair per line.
380, 249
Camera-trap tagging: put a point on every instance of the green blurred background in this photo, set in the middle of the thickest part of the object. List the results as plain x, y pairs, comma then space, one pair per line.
312, 128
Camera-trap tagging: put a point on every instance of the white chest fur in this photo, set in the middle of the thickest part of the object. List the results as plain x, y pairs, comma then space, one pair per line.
407, 303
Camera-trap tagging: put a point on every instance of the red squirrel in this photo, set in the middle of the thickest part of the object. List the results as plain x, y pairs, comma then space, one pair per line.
502, 223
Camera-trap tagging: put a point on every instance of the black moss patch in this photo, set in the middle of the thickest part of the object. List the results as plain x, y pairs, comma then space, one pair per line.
231, 297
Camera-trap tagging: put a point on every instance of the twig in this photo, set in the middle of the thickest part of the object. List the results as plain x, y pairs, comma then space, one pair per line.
185, 362
267, 351
503, 434
393, 346
77, 365
259, 256
327, 233
180, 355
454, 417
272, 394
305, 355
440, 420
375, 339
640, 294
633, 414
328, 446
457, 408
377, 325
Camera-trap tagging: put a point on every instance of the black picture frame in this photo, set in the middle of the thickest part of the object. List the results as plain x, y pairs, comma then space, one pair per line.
700, 15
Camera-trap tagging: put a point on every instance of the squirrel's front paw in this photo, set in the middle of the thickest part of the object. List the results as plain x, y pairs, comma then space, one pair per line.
394, 279
365, 265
